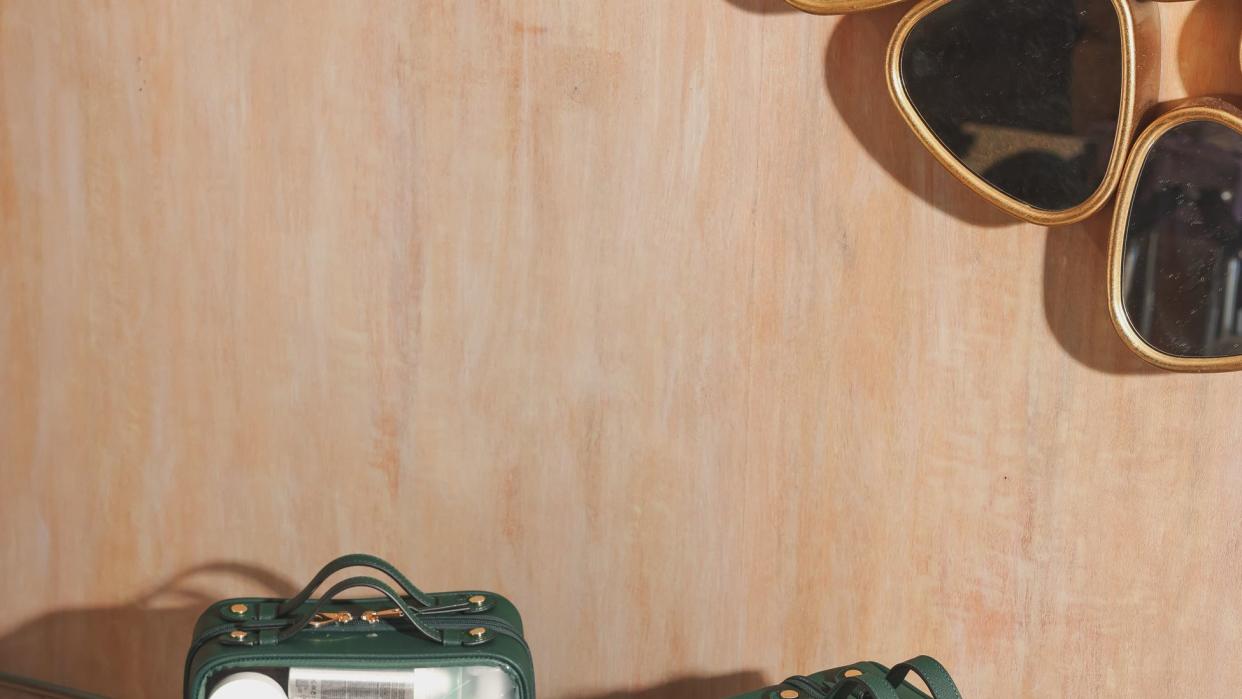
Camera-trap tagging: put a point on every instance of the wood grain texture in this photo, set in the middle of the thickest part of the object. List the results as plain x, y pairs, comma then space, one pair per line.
652, 315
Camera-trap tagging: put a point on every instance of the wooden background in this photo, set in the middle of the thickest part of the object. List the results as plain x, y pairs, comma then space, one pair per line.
650, 314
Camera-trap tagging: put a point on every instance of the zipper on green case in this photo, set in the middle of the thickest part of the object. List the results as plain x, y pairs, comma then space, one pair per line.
445, 621
487, 621
455, 622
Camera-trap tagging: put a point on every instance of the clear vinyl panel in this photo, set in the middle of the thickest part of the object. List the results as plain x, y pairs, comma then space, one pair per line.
466, 682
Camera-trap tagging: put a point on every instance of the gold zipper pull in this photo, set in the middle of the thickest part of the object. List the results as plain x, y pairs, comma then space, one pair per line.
325, 618
373, 617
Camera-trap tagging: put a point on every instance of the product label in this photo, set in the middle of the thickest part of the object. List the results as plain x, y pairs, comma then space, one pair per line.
305, 683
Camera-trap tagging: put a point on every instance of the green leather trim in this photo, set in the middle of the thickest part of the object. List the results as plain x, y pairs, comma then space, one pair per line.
805, 686
818, 685
934, 675
873, 685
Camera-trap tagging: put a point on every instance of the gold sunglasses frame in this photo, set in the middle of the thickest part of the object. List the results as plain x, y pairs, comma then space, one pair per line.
1204, 109
1140, 39
839, 7
845, 7
1140, 27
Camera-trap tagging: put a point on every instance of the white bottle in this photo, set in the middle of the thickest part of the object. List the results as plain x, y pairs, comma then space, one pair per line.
248, 685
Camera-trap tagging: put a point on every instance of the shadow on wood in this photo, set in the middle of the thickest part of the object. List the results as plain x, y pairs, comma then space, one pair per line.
763, 7
692, 688
855, 73
128, 651
1076, 297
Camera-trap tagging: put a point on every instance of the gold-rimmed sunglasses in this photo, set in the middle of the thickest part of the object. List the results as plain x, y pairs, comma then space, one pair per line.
1175, 251
1035, 105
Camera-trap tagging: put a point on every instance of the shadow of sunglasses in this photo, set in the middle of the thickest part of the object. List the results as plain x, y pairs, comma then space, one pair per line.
1035, 105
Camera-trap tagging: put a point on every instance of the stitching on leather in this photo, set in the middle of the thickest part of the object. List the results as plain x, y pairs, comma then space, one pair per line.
932, 671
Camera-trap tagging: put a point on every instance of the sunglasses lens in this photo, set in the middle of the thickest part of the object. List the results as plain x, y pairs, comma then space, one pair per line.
1024, 93
1181, 274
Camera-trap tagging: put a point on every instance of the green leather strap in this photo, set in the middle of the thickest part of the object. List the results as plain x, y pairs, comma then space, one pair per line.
934, 675
873, 685
349, 584
806, 686
354, 560
215, 632
39, 688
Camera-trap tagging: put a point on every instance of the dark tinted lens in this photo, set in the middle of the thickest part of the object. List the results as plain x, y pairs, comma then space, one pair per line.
1026, 93
1182, 262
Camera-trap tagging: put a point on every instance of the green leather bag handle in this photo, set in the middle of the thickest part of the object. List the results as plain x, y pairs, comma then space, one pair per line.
934, 675
348, 584
354, 560
39, 688
873, 685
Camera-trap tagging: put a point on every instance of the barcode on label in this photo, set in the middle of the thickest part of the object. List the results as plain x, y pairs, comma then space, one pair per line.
314, 689
469, 682
344, 684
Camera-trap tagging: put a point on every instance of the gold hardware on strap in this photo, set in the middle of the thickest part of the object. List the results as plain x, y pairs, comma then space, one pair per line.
476, 601
789, 694
239, 609
372, 617
852, 672
238, 635
477, 633
325, 618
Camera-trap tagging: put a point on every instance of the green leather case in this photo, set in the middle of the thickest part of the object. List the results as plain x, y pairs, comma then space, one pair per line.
406, 630
865, 679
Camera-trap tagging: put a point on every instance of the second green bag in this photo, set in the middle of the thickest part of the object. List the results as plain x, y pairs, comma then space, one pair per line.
865, 679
